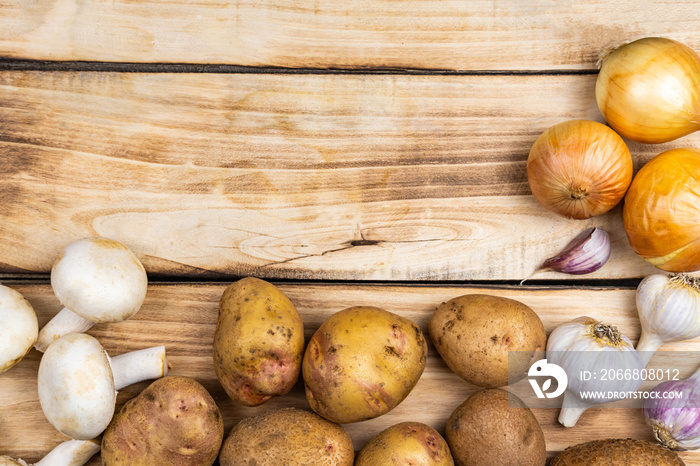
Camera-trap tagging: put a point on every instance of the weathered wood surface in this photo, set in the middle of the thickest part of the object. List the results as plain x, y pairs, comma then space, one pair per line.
292, 176
450, 35
183, 318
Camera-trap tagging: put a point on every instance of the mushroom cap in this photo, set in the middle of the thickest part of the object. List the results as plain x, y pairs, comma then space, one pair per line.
99, 279
18, 327
7, 461
76, 386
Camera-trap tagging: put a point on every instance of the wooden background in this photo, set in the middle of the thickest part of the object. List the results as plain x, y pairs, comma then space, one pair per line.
367, 152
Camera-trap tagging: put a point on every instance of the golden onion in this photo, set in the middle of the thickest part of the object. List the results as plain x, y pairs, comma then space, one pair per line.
579, 169
662, 211
649, 90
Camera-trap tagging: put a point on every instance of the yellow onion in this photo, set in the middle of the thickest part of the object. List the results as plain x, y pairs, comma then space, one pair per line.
662, 211
649, 90
579, 169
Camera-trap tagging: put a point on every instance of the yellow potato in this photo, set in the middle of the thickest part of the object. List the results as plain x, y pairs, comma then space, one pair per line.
174, 421
259, 342
408, 443
361, 363
487, 340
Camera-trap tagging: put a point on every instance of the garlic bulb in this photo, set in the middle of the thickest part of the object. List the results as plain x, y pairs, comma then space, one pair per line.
674, 414
669, 310
597, 359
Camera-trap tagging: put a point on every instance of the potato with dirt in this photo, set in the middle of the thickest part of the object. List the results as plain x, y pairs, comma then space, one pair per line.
495, 428
287, 436
614, 452
407, 443
361, 363
259, 342
489, 341
174, 421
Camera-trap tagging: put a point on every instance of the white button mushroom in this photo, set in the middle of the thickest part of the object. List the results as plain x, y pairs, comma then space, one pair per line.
78, 382
18, 327
68, 453
97, 280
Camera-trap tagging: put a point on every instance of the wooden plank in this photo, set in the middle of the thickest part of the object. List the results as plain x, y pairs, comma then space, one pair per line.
183, 318
322, 177
429, 34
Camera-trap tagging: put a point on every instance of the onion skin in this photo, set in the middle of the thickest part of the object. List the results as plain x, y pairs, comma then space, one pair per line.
579, 169
662, 211
649, 90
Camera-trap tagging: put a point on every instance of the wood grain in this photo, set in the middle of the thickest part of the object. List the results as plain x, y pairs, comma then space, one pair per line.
428, 34
183, 318
320, 177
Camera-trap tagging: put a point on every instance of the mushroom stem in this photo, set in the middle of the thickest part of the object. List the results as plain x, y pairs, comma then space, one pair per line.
71, 453
137, 366
63, 323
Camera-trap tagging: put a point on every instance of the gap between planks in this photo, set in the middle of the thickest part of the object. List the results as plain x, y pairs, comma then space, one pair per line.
115, 67
215, 279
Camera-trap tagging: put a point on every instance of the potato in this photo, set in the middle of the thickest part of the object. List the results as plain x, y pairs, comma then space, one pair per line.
613, 452
361, 363
174, 421
495, 428
411, 443
487, 340
259, 342
287, 436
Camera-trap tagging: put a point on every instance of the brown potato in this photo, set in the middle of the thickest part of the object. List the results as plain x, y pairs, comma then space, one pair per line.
259, 342
174, 421
411, 443
495, 428
613, 452
487, 340
287, 437
361, 363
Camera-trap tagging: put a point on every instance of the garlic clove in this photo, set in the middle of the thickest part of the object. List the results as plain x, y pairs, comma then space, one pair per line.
586, 253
